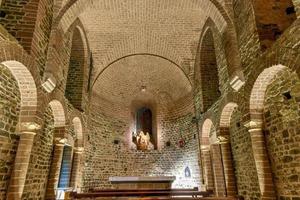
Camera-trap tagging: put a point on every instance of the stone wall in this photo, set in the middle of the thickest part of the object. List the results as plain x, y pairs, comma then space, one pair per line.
245, 170
19, 18
40, 160
41, 35
104, 158
272, 18
10, 99
282, 134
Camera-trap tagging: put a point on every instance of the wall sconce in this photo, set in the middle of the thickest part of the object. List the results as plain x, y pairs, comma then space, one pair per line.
50, 82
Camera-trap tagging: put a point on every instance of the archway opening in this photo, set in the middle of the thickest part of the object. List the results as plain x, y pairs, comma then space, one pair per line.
75, 80
208, 71
65, 169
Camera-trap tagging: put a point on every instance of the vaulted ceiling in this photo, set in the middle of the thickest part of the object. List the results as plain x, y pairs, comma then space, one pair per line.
169, 29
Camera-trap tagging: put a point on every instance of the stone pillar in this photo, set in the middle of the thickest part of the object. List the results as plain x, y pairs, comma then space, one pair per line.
262, 163
218, 170
18, 176
76, 170
207, 167
228, 169
54, 171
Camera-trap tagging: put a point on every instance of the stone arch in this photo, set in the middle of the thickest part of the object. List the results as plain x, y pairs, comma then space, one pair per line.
206, 160
255, 126
212, 159
224, 139
78, 132
272, 25
259, 89
208, 71
58, 113
206, 128
226, 118
28, 90
77, 72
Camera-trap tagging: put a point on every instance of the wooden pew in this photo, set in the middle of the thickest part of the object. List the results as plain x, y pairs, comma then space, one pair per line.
140, 194
142, 190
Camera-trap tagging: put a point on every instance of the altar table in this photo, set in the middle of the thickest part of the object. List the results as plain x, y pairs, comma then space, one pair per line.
136, 182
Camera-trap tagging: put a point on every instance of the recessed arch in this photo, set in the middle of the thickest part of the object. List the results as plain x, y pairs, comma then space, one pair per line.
77, 69
208, 71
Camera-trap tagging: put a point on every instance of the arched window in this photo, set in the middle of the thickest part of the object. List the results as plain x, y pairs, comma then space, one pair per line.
208, 71
65, 170
272, 18
144, 120
74, 87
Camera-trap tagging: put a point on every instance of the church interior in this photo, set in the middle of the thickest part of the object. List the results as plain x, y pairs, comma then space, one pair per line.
150, 99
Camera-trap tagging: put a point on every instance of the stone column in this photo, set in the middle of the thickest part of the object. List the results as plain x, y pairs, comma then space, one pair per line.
228, 169
54, 171
262, 163
218, 170
76, 168
207, 165
18, 176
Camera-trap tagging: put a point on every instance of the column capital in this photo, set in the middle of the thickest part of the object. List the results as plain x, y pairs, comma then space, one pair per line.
29, 127
223, 139
60, 141
78, 150
253, 125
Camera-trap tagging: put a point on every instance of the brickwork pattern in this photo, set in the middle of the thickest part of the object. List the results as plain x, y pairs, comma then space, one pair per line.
116, 159
19, 19
9, 113
244, 165
281, 117
272, 18
74, 88
40, 160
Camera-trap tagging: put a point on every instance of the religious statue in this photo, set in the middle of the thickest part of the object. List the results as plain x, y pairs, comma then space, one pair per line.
142, 141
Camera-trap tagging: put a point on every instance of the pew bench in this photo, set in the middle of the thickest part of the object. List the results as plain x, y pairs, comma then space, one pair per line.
141, 194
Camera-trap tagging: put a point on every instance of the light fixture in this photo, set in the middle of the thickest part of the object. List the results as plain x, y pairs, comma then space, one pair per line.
49, 83
143, 89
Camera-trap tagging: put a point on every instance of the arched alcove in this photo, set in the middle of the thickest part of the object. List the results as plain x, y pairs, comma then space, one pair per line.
75, 80
144, 120
145, 124
209, 77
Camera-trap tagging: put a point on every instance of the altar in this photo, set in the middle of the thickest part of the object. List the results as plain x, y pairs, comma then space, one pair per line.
136, 182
